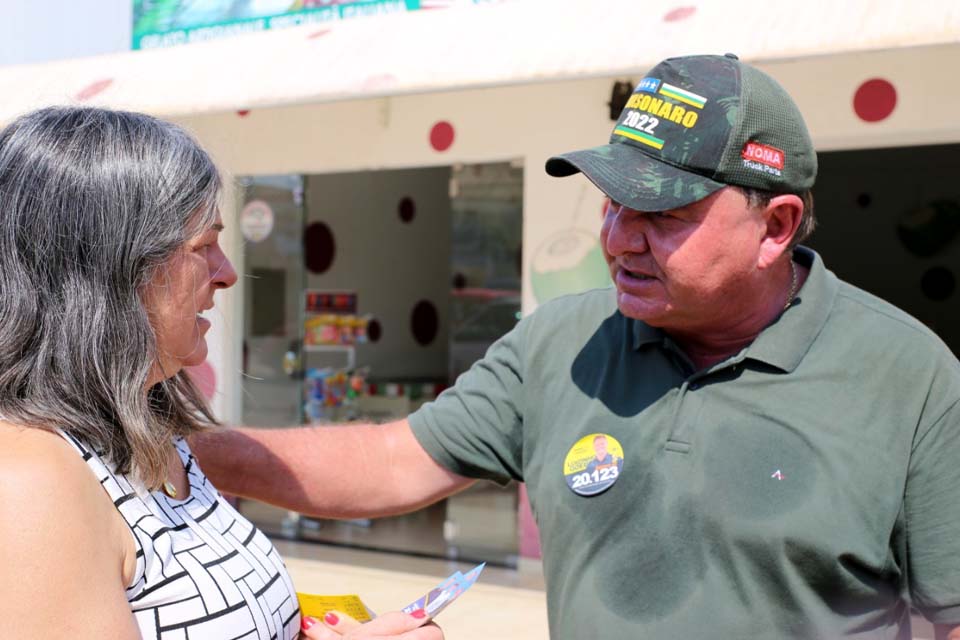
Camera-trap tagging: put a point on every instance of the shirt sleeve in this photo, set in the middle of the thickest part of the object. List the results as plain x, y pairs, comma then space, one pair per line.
475, 427
932, 509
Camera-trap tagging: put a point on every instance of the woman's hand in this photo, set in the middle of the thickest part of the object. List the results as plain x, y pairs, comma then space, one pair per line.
390, 626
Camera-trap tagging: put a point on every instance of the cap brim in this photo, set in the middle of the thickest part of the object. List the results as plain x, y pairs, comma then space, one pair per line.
633, 178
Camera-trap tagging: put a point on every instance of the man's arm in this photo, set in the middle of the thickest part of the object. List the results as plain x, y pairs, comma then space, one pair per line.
942, 632
343, 471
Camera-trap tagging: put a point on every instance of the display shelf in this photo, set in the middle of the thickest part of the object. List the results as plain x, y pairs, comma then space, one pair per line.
348, 349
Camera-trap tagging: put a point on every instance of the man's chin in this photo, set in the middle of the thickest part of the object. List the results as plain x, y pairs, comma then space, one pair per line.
639, 309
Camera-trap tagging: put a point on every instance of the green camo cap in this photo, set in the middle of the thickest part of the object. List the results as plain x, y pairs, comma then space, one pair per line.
692, 126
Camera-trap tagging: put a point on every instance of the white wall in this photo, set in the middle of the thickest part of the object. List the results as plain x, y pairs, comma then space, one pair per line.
40, 31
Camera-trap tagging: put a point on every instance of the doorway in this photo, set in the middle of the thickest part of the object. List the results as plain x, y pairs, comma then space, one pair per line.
429, 260
889, 223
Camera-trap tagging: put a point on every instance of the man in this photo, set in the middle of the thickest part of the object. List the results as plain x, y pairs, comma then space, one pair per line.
602, 459
789, 443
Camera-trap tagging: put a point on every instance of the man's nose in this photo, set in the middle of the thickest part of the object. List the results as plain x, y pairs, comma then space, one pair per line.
627, 231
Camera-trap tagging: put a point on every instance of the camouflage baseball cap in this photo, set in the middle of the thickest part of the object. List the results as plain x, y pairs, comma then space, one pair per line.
692, 126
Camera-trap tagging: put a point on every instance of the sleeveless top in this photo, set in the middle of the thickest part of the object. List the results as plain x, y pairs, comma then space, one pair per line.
203, 570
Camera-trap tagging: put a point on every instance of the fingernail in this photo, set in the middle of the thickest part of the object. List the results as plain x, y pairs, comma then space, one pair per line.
307, 622
331, 619
419, 614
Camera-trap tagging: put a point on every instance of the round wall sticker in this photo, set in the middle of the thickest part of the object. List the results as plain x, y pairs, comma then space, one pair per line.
256, 221
593, 464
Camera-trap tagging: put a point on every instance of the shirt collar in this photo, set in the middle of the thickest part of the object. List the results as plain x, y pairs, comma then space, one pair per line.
644, 334
784, 343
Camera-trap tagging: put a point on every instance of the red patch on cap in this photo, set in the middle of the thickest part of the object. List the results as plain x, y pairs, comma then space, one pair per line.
764, 154
318, 34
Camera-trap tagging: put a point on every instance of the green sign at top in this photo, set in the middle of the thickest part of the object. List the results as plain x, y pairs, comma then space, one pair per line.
165, 23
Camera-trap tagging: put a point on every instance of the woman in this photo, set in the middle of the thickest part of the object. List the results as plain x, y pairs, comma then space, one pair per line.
109, 258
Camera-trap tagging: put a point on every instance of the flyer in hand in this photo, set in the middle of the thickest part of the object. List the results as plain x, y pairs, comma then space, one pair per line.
441, 596
435, 601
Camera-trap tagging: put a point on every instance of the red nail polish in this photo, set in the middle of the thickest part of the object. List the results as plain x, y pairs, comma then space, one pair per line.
307, 622
419, 614
331, 619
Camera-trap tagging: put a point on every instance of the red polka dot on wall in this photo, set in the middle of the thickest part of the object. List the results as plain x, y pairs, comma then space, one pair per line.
679, 13
424, 322
93, 89
319, 247
442, 135
374, 330
875, 100
407, 210
243, 113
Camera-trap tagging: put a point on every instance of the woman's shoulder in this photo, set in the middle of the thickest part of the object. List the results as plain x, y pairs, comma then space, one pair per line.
47, 489
31, 456
42, 476
58, 530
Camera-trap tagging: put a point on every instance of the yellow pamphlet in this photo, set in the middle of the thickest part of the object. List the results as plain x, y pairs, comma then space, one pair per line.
317, 606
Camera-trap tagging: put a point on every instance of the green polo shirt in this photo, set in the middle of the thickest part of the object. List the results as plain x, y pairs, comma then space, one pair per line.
808, 487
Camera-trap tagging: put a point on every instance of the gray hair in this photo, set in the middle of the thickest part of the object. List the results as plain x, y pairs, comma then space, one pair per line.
92, 203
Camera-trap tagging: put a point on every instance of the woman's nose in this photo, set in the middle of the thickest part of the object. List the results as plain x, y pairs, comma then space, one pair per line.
223, 274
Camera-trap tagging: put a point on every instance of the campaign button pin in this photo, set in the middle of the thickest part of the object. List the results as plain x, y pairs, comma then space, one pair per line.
593, 464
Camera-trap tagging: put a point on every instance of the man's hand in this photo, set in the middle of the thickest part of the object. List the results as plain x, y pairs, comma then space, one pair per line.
389, 626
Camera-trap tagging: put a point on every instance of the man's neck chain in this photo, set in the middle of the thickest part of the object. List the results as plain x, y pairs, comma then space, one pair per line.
794, 283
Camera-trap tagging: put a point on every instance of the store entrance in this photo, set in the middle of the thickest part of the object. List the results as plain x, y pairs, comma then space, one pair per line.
367, 294
889, 222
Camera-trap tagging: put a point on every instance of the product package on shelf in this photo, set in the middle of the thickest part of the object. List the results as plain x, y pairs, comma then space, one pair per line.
331, 394
335, 329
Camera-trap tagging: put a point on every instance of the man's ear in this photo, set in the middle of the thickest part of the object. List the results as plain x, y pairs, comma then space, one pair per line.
782, 216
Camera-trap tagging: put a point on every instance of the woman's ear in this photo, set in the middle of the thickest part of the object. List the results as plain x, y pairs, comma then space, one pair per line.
782, 215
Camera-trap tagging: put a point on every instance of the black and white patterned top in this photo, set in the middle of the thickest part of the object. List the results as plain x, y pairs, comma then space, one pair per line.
203, 570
